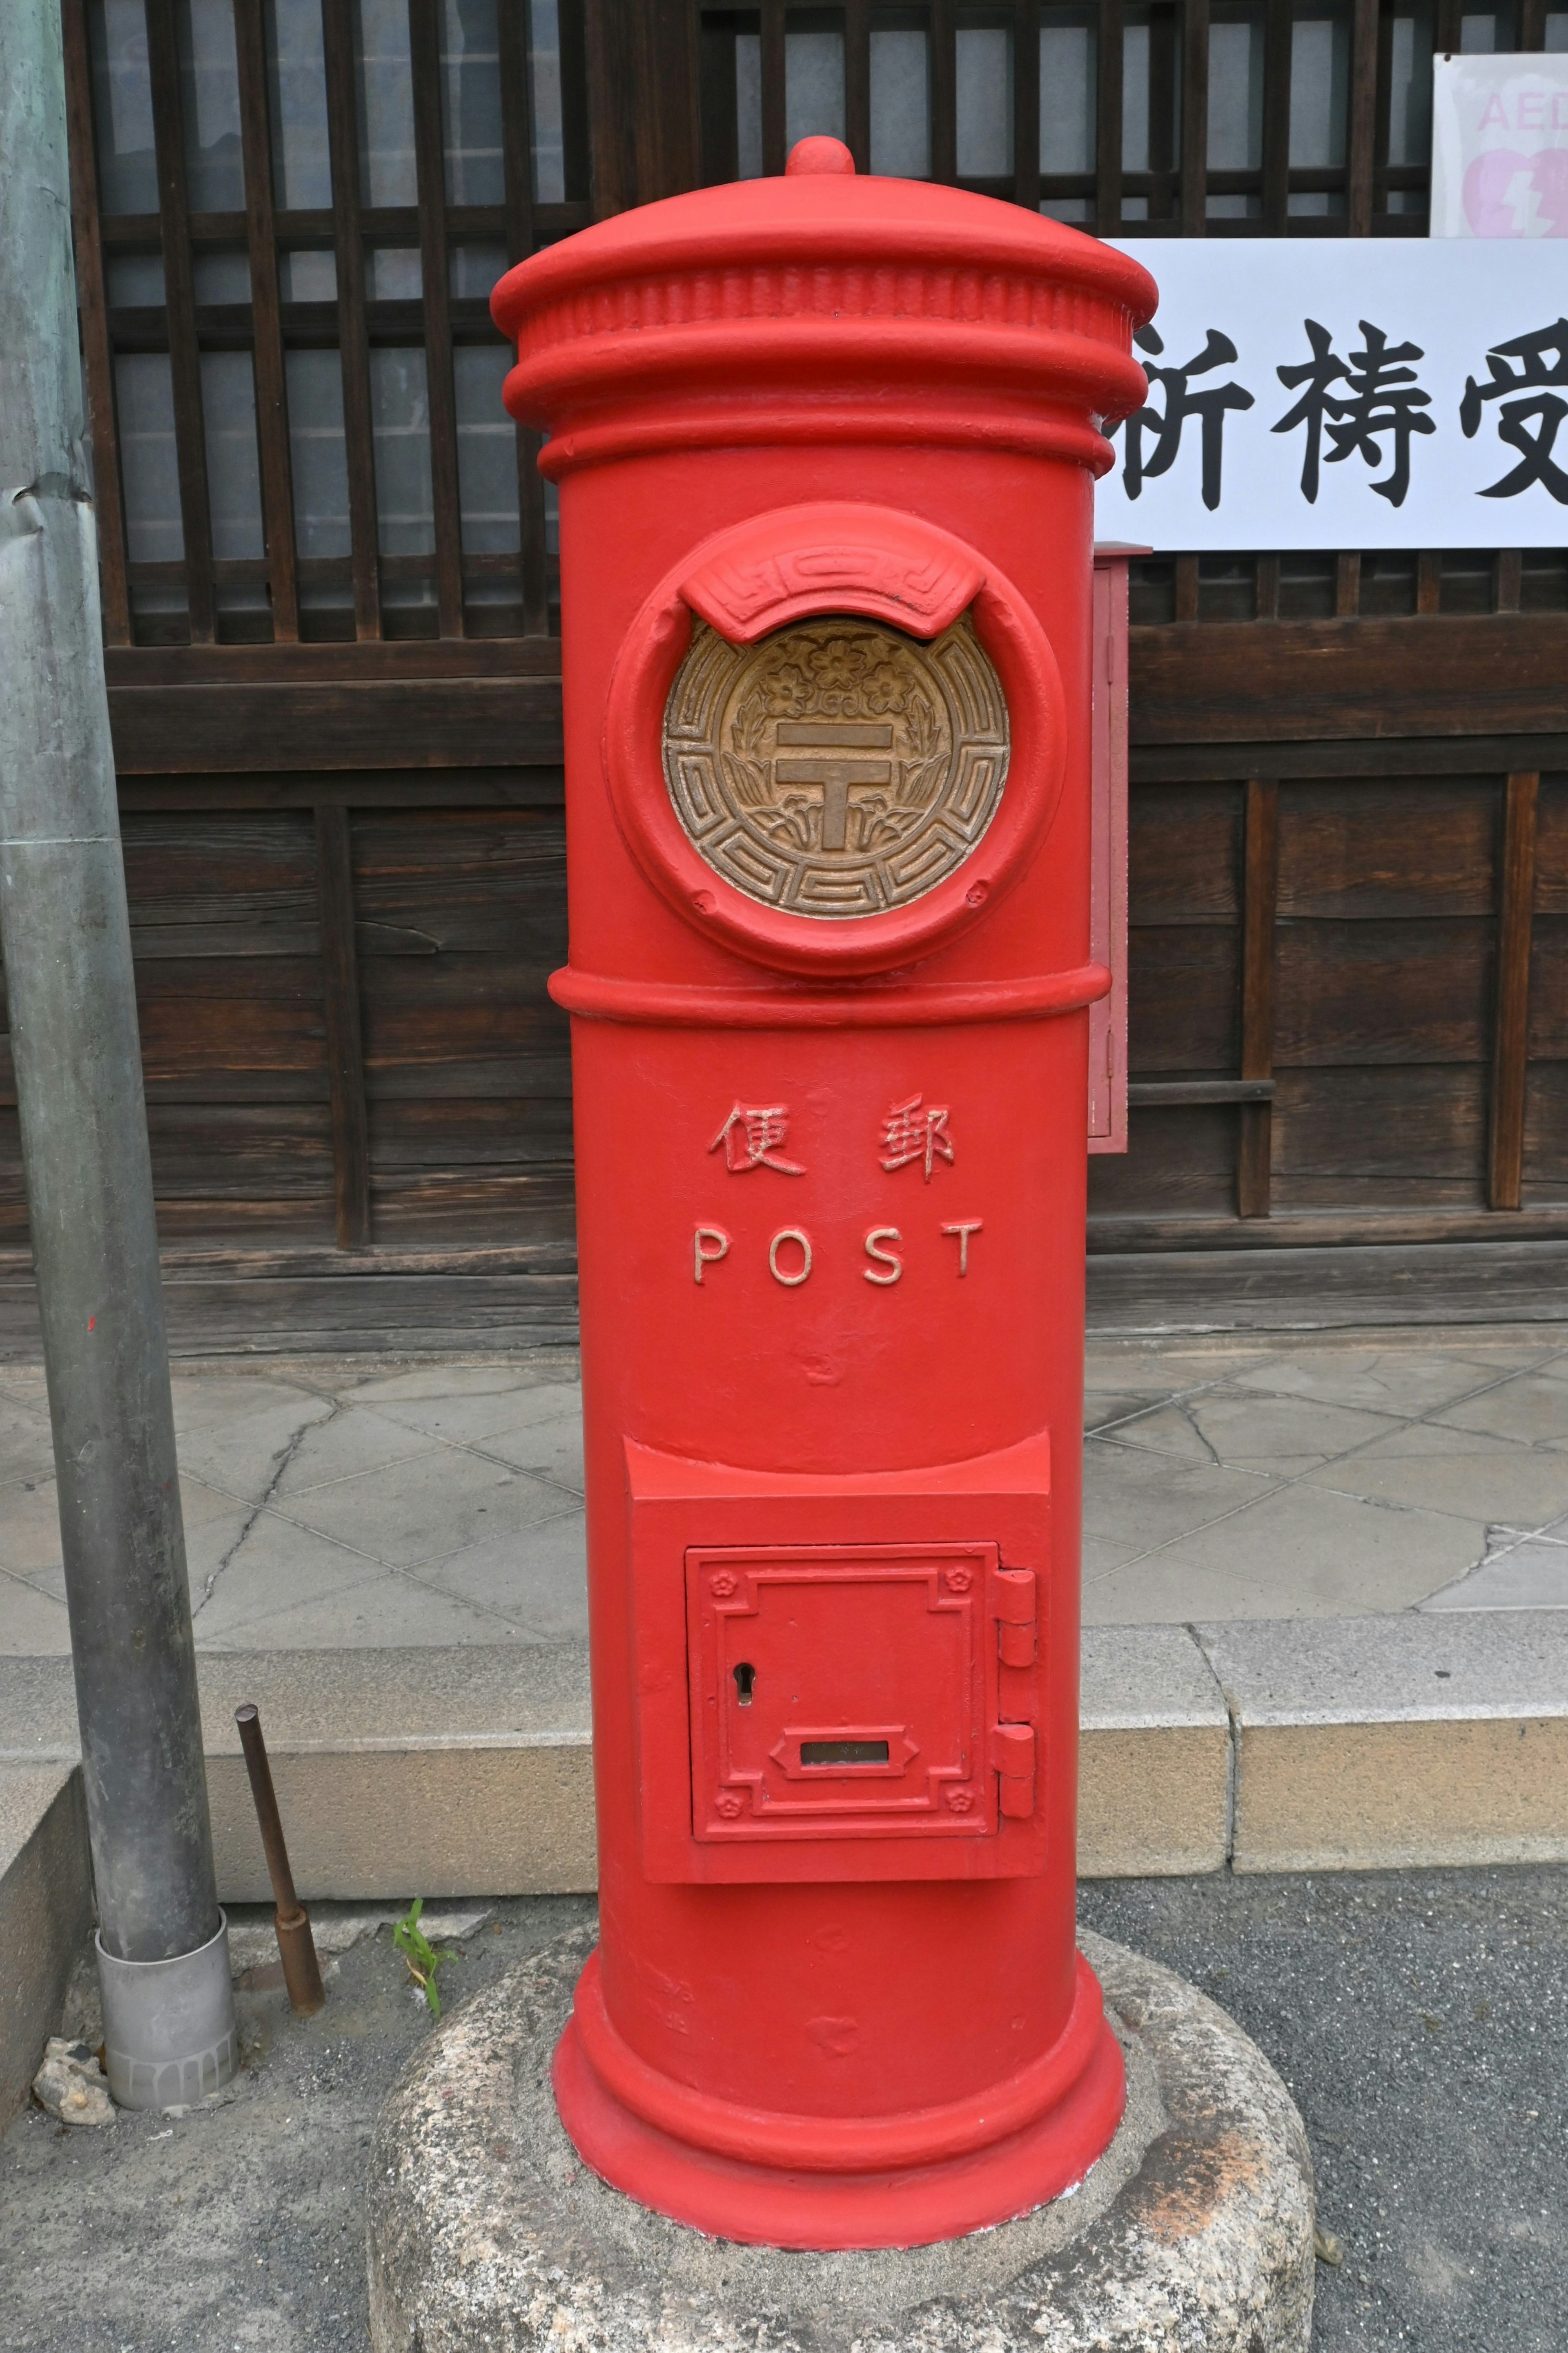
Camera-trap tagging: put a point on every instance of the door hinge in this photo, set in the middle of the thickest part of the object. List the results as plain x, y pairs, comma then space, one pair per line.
1013, 1761
1012, 1600
1012, 1607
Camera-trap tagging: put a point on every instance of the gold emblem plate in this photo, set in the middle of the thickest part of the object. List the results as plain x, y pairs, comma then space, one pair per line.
839, 767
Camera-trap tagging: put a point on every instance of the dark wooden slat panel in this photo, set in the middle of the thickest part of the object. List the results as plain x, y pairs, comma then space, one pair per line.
1428, 581
1298, 1229
455, 1205
441, 1013
1108, 116
184, 360
1330, 1288
1026, 104
1551, 846
1164, 98
1362, 141
376, 788
1509, 578
943, 90
346, 1057
1154, 1093
1260, 870
348, 247
1183, 853
464, 882
97, 359
521, 233
1371, 679
430, 168
772, 55
857, 81
1377, 847
277, 1055
253, 1151
1382, 992
403, 661
227, 1306
271, 392
541, 1067
644, 120
1347, 587
1178, 1160
1279, 28
1516, 901
1545, 1141
716, 65
1183, 989
435, 723
1195, 119
1418, 758
503, 1131
1549, 989
240, 1030
220, 886
1393, 1137
1186, 587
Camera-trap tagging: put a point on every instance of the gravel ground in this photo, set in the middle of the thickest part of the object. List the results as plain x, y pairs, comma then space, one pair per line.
1420, 2019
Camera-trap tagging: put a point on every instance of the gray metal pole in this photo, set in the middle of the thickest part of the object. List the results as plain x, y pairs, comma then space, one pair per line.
66, 938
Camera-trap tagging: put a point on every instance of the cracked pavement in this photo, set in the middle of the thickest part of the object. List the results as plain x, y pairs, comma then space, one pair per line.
360, 1501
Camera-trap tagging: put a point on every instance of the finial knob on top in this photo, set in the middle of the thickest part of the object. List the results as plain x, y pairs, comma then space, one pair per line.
818, 154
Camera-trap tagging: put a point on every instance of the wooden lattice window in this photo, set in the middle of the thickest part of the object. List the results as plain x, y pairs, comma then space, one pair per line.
290, 215
1127, 117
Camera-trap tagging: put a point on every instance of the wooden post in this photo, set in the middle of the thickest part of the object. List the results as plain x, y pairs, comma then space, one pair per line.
345, 1052
1259, 892
1510, 1050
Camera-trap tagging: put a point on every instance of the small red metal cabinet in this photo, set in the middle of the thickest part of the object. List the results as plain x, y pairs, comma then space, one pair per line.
825, 448
876, 1618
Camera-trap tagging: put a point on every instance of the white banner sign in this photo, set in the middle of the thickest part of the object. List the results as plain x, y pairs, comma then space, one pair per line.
1347, 392
1499, 146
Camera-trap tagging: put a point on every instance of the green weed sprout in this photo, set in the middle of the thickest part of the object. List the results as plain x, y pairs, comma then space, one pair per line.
421, 1956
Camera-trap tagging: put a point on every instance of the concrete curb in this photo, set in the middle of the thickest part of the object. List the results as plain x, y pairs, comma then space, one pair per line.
1365, 1743
1311, 1745
1357, 1743
45, 1913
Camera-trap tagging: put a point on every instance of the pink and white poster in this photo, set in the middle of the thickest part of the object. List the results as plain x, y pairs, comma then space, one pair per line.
1499, 146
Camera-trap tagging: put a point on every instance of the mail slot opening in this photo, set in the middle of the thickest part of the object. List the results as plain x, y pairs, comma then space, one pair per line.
843, 1752
745, 1676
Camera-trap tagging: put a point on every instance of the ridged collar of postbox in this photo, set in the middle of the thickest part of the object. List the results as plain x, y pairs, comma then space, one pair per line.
775, 310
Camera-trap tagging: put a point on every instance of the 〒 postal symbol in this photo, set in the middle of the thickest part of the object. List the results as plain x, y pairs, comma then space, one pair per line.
839, 767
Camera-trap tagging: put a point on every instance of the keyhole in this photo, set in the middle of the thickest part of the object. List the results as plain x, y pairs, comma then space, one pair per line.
745, 1676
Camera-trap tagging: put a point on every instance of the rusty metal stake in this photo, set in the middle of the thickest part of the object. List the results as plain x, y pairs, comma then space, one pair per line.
296, 1946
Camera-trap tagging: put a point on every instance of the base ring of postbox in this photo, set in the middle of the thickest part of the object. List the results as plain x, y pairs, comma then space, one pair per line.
837, 2144
764, 2179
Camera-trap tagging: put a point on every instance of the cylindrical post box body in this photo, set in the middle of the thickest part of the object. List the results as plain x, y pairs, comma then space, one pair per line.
825, 448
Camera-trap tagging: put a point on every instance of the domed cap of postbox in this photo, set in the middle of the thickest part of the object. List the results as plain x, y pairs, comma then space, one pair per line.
824, 305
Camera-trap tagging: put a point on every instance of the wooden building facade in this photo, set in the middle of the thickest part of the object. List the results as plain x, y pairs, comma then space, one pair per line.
329, 608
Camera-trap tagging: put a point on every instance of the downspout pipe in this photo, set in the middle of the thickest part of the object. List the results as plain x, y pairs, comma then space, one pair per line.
66, 938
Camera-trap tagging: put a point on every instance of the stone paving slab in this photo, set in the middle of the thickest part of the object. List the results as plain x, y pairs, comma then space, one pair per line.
332, 1503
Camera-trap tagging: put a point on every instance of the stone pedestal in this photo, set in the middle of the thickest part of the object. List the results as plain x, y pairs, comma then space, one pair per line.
486, 2231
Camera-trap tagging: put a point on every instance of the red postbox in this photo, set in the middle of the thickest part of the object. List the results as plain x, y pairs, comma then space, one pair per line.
825, 448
